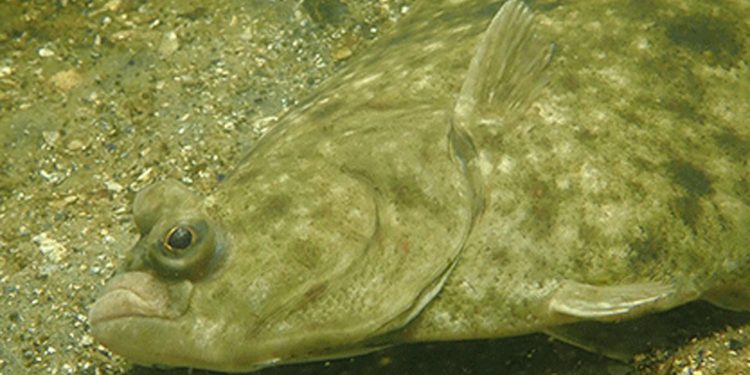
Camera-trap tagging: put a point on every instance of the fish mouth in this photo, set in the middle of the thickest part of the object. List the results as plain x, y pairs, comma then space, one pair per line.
133, 294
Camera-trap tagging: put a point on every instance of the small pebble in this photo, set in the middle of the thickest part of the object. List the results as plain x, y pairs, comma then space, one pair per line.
45, 52
113, 5
87, 340
75, 145
52, 177
145, 175
113, 187
23, 231
51, 137
66, 80
49, 247
169, 44
342, 53
70, 199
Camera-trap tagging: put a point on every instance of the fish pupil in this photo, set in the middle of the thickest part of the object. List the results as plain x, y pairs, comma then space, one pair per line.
179, 238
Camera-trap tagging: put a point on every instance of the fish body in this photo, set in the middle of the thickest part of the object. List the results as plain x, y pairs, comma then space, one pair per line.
413, 199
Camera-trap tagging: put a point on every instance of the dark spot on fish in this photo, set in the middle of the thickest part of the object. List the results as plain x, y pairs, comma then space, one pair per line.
693, 180
640, 9
275, 206
586, 136
500, 258
315, 292
406, 192
736, 146
688, 209
582, 263
686, 89
645, 252
645, 165
306, 253
684, 108
714, 38
220, 294
726, 224
588, 233
742, 189
637, 189
570, 82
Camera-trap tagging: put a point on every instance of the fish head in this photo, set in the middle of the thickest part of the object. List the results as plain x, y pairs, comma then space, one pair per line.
145, 311
240, 286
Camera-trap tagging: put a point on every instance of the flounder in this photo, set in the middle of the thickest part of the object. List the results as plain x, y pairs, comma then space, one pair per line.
420, 208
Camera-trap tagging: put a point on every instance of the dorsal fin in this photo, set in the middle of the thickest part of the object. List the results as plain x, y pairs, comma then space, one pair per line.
507, 70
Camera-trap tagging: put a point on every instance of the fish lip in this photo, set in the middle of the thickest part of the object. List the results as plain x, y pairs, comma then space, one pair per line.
133, 294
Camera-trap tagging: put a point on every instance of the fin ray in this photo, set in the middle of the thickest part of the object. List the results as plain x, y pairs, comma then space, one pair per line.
507, 69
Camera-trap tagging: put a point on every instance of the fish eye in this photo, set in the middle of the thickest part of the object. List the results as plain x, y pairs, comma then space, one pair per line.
179, 238
184, 250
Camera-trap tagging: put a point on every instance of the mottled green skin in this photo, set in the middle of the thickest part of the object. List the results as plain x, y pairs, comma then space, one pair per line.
331, 249
609, 182
344, 221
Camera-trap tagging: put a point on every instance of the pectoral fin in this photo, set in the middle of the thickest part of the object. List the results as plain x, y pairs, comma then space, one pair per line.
611, 303
602, 305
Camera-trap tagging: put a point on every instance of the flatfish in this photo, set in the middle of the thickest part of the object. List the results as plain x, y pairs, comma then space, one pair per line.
415, 197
